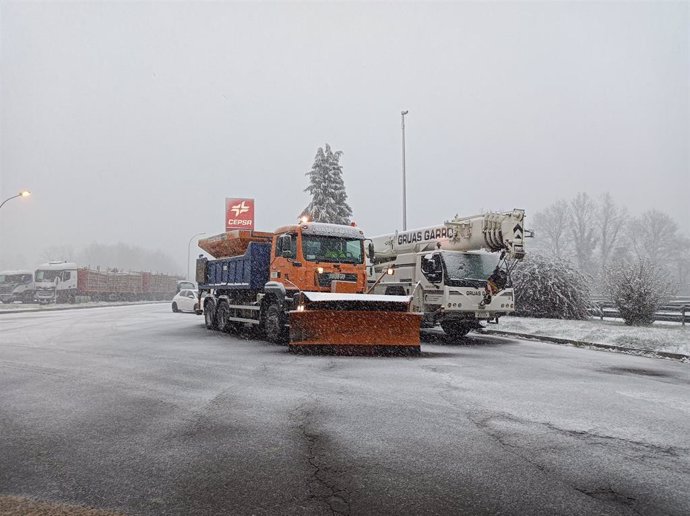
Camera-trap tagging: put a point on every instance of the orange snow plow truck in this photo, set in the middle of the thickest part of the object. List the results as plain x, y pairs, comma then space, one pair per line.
305, 285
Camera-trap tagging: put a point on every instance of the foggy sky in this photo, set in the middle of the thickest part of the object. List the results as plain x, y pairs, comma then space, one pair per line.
131, 122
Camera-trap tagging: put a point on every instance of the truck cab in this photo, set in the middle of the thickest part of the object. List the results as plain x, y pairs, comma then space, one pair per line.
17, 286
56, 282
319, 257
447, 286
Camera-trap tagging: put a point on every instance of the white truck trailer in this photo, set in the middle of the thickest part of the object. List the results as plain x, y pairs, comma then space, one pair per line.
458, 272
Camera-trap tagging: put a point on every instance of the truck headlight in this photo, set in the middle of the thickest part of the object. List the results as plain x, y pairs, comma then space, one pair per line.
319, 270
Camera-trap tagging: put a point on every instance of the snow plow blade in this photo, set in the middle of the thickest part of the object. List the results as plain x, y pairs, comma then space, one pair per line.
354, 324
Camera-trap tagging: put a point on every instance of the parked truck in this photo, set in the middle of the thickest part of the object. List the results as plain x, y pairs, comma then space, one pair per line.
303, 284
458, 273
17, 286
66, 282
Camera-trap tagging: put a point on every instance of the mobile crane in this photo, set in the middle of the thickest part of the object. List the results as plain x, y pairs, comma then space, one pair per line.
303, 284
457, 273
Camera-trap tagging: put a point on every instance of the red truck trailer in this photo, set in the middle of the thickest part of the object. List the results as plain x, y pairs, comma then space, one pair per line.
68, 283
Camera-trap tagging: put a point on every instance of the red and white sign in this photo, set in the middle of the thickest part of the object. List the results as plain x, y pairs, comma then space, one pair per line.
239, 214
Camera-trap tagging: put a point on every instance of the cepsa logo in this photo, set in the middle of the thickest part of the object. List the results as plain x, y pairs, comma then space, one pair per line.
239, 214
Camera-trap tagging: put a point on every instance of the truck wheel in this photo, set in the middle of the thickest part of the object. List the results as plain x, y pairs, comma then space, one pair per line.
174, 308
455, 328
274, 324
210, 315
223, 316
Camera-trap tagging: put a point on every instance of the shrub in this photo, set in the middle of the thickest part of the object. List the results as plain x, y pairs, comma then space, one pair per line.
550, 287
637, 289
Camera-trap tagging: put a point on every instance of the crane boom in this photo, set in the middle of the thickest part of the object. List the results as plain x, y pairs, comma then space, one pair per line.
492, 231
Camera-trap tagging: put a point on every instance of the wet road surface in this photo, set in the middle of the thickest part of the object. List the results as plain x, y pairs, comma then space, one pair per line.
139, 410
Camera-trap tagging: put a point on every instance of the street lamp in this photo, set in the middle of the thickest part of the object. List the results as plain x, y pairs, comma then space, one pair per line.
404, 192
23, 193
189, 245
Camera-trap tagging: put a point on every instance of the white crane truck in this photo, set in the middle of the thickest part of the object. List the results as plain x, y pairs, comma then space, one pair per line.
458, 273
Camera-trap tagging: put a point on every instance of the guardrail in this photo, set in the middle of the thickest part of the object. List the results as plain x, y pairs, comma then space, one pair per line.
676, 310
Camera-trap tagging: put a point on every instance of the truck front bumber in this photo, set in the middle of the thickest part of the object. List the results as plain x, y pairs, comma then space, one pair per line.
469, 300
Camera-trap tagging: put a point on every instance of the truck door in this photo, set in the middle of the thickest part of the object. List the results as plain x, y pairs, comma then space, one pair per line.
285, 264
432, 268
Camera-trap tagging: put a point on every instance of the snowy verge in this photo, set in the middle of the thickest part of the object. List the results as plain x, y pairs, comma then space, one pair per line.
18, 308
659, 337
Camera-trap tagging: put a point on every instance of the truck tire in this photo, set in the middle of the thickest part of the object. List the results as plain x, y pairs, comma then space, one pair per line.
274, 324
210, 315
455, 329
223, 315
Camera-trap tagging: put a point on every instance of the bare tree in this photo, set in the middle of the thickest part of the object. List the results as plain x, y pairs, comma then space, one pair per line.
610, 223
582, 226
551, 225
655, 236
58, 253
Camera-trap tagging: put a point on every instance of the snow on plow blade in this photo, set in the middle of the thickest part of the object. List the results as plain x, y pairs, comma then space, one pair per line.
352, 323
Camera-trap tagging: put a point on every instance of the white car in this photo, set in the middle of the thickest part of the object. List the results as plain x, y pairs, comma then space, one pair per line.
186, 300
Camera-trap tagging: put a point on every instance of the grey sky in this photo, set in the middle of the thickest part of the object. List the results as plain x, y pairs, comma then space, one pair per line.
133, 121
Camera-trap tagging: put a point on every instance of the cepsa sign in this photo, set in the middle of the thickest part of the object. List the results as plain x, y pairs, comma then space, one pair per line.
239, 214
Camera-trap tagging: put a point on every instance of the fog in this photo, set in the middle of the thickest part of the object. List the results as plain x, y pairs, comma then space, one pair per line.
131, 122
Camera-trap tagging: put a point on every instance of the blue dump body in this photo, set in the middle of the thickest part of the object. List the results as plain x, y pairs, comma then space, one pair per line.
247, 272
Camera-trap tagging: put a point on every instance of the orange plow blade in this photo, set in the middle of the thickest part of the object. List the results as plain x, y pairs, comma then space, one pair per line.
351, 323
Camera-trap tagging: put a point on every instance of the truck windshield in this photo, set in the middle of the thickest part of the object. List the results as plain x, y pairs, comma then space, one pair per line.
15, 278
465, 268
332, 249
47, 275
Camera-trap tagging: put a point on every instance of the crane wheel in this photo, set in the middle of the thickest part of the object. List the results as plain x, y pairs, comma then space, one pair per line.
455, 329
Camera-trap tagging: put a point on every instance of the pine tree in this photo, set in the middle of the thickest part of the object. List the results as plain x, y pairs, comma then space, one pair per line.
327, 189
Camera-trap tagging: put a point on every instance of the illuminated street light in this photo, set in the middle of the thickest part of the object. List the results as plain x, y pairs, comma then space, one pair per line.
23, 193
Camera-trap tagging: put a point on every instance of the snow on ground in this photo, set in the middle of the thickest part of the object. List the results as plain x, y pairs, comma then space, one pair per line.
660, 336
36, 307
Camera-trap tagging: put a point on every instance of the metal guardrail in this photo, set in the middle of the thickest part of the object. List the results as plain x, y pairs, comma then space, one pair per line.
676, 310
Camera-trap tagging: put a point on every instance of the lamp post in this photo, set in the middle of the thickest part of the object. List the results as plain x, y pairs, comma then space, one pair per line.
404, 185
189, 245
23, 193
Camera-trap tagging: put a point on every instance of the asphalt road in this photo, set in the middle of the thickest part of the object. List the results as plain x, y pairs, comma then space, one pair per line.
139, 410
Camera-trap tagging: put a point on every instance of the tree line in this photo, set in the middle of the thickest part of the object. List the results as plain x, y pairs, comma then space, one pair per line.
121, 256
593, 245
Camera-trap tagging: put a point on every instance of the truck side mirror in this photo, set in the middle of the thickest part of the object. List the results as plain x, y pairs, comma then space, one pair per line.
371, 251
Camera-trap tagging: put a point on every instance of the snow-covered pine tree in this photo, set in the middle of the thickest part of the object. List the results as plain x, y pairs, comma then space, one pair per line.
548, 286
327, 189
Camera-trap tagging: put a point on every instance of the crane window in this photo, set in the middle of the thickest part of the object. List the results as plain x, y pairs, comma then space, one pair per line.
462, 267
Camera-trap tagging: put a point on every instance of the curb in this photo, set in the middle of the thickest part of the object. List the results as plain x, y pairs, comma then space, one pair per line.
592, 345
75, 307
